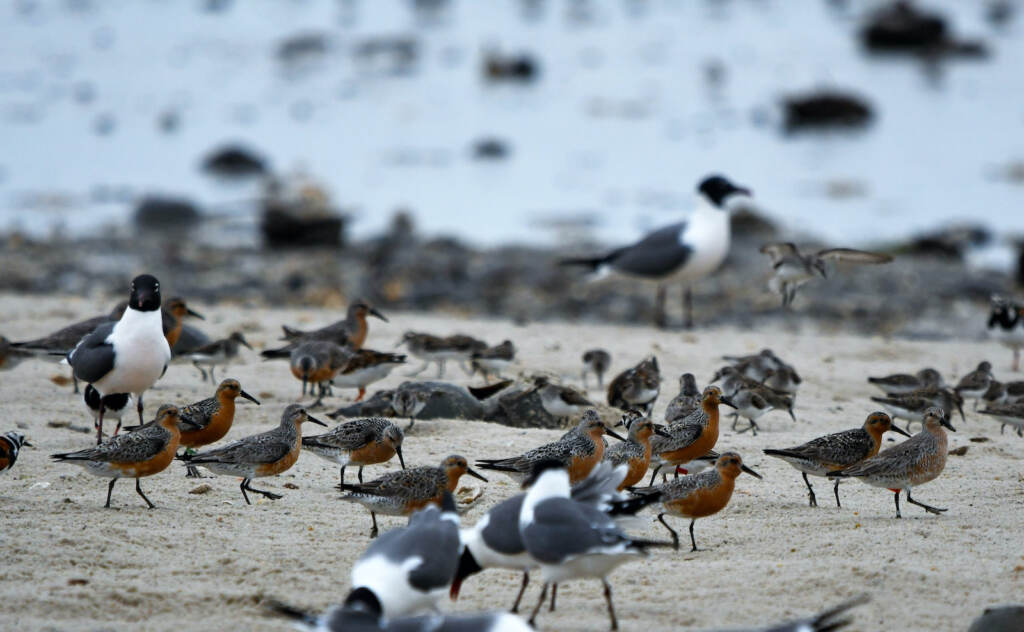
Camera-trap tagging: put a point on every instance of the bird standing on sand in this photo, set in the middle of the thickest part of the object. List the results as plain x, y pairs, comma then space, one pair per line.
918, 460
693, 436
903, 383
836, 451
493, 360
210, 419
10, 444
403, 492
579, 450
569, 539
144, 452
699, 495
266, 454
791, 269
561, 402
975, 384
217, 352
364, 367
635, 451
350, 332
686, 401
1007, 414
687, 251
753, 402
1006, 323
127, 356
315, 363
359, 442
596, 361
636, 387
408, 402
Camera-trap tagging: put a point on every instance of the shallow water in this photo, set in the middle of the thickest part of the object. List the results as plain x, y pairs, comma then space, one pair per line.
618, 129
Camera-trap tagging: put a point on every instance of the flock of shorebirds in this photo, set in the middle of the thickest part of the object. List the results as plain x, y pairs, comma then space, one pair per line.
567, 525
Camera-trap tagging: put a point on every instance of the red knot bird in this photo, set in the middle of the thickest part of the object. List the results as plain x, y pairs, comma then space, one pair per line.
635, 451
266, 454
914, 462
350, 332
211, 418
358, 443
145, 451
836, 451
699, 495
693, 436
579, 450
403, 492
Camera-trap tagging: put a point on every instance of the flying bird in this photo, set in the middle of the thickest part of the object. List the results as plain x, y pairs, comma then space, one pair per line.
791, 269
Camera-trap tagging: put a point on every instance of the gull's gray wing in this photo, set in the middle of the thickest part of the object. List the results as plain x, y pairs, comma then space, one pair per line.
657, 254
94, 356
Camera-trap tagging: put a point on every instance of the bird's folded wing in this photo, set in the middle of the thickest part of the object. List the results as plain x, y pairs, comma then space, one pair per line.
854, 256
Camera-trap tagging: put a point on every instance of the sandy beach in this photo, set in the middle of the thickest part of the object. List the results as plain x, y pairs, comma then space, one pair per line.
205, 562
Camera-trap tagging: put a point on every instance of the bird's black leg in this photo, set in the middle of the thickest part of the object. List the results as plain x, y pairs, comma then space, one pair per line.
245, 482
660, 318
74, 380
654, 474
928, 508
271, 495
138, 488
693, 540
688, 308
540, 602
342, 474
110, 490
897, 497
810, 491
191, 471
303, 387
608, 599
836, 490
373, 531
359, 474
99, 423
522, 589
675, 536
201, 370
440, 368
213, 380
412, 420
554, 593
138, 407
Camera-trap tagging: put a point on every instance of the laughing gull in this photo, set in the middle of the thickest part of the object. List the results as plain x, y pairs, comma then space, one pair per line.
410, 569
1006, 323
127, 356
791, 269
569, 539
826, 621
362, 612
495, 541
686, 251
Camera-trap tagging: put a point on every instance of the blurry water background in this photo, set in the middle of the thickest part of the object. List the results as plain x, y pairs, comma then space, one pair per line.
102, 101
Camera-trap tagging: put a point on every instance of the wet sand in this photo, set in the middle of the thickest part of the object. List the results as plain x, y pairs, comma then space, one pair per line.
204, 562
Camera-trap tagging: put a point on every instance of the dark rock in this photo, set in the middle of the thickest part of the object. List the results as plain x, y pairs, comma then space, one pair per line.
302, 47
825, 109
162, 213
234, 161
949, 242
900, 27
522, 408
491, 148
282, 228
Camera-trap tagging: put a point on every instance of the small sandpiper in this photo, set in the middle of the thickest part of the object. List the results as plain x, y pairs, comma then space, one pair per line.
430, 348
758, 366
315, 363
596, 361
561, 402
494, 360
975, 384
903, 383
912, 406
364, 367
836, 451
699, 495
10, 444
914, 462
579, 450
754, 402
266, 454
686, 401
403, 492
359, 442
731, 380
1007, 414
218, 352
636, 387
209, 420
408, 402
791, 269
144, 452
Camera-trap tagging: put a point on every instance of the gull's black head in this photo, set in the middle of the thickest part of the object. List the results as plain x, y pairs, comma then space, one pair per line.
145, 295
717, 189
